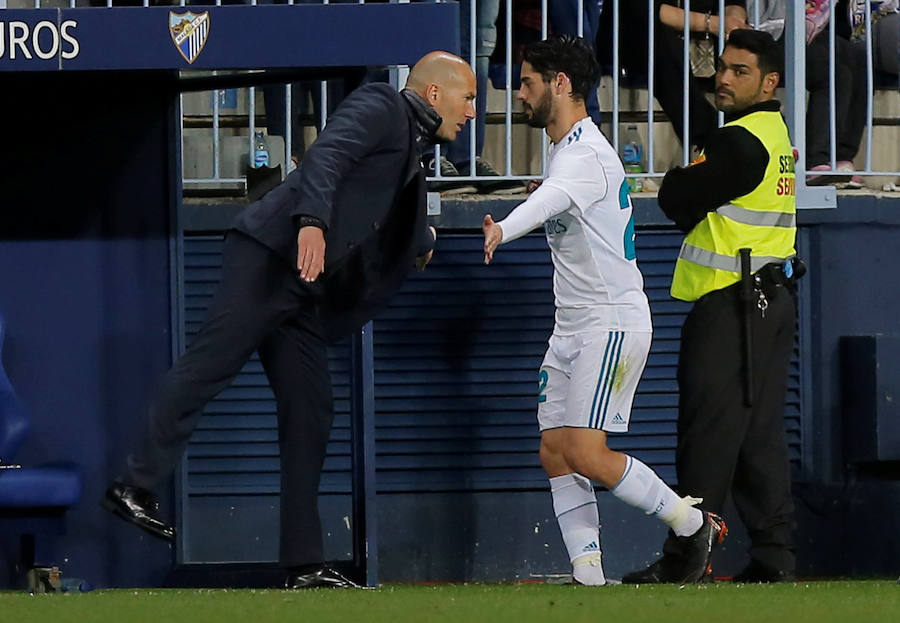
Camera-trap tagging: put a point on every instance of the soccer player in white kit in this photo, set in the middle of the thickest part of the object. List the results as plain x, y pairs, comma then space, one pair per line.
602, 331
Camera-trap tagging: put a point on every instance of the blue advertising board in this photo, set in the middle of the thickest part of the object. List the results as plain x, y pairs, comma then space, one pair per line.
225, 37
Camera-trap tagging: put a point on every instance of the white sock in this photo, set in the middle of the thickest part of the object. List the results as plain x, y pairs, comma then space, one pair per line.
575, 506
642, 488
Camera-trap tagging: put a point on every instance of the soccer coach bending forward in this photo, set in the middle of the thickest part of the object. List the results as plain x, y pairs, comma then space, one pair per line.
309, 263
737, 339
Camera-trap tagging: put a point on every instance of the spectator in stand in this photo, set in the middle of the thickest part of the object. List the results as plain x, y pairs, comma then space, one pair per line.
668, 55
850, 94
885, 31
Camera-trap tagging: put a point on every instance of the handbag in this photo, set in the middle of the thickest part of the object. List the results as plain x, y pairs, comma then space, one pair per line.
703, 57
702, 54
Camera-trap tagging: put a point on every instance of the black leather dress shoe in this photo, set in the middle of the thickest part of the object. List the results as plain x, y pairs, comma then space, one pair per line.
137, 505
320, 578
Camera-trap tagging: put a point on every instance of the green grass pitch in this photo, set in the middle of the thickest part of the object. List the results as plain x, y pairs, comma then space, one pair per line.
818, 602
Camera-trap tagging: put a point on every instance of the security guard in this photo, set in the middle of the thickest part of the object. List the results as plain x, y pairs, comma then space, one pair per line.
737, 339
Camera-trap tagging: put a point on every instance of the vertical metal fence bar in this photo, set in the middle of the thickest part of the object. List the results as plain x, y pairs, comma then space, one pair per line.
180, 131
720, 116
289, 121
795, 83
795, 106
545, 140
755, 13
323, 98
651, 60
508, 120
251, 113
686, 80
832, 107
870, 86
615, 77
288, 126
215, 129
581, 19
251, 125
472, 62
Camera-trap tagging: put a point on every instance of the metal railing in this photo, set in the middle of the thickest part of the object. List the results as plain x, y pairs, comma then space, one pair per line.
795, 91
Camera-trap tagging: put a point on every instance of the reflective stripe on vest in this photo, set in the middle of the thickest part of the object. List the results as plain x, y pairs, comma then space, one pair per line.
756, 217
703, 257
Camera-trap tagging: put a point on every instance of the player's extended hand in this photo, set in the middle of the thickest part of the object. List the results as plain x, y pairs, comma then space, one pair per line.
310, 253
422, 262
493, 234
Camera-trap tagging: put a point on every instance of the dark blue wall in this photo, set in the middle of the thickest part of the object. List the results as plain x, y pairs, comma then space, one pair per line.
85, 258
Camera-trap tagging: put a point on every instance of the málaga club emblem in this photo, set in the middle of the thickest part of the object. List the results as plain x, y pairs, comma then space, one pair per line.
189, 33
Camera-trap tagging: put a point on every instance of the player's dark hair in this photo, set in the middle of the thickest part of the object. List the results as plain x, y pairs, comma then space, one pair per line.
768, 53
566, 54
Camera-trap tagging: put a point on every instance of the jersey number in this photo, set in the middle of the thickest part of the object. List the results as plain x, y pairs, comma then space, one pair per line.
624, 204
542, 379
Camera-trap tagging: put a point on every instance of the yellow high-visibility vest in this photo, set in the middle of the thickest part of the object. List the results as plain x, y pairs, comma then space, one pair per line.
765, 220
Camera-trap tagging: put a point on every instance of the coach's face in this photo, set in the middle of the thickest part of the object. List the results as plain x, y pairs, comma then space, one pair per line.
454, 101
535, 96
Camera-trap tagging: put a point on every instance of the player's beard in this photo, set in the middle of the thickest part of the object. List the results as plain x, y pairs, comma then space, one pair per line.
539, 114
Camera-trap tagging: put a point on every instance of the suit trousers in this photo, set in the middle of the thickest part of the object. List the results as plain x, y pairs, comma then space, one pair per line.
724, 445
261, 305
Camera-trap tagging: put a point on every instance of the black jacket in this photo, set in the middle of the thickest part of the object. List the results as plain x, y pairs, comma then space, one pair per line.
363, 180
734, 163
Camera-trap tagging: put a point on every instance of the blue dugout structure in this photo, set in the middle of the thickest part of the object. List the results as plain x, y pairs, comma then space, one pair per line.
90, 238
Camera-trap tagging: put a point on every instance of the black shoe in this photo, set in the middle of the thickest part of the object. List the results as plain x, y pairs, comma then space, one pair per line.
320, 578
697, 548
447, 186
758, 573
695, 562
498, 187
137, 505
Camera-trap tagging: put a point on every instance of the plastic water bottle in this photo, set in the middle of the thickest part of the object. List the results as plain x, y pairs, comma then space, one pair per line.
633, 158
260, 150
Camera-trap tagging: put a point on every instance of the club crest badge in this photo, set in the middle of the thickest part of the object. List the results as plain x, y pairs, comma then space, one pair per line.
189, 33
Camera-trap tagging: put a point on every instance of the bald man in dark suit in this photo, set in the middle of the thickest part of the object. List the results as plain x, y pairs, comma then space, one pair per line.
309, 263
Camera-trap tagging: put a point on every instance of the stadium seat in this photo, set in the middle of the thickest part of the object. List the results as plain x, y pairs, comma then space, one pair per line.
33, 500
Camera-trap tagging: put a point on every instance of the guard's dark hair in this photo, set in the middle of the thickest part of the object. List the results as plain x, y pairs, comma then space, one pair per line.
567, 54
768, 53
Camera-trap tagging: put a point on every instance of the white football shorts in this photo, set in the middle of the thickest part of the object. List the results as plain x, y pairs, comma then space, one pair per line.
588, 380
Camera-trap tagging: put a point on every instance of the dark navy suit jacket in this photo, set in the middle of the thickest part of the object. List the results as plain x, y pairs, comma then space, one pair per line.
362, 178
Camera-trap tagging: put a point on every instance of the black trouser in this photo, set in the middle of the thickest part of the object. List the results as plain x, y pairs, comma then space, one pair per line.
261, 305
724, 445
850, 99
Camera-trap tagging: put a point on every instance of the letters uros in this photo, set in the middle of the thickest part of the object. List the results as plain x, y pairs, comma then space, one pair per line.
44, 40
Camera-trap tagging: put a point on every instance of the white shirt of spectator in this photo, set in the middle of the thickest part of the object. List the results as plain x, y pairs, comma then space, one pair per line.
587, 215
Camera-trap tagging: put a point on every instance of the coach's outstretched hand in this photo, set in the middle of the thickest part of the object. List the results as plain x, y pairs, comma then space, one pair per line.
493, 234
310, 253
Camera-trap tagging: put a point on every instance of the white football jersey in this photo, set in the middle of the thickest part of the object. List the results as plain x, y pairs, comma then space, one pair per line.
596, 281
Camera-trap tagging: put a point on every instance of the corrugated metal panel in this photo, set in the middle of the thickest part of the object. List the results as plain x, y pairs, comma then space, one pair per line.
235, 447
457, 355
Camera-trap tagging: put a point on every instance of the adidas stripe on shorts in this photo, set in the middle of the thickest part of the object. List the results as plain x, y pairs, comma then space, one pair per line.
588, 380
